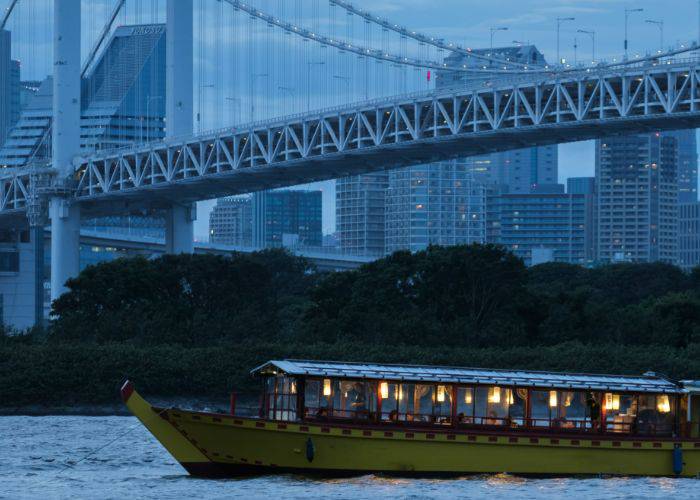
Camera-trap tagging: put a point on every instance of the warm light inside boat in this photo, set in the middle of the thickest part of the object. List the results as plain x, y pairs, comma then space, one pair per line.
326, 387
511, 399
441, 394
612, 401
468, 396
553, 399
664, 405
495, 395
384, 390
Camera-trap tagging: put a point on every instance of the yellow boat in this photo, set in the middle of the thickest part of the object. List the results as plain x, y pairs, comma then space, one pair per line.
355, 418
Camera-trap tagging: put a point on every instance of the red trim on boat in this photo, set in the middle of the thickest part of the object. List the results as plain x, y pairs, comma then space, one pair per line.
127, 390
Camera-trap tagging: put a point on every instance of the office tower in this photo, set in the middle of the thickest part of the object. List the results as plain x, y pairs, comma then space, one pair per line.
689, 235
687, 164
542, 226
293, 218
230, 221
637, 198
360, 208
9, 86
287, 218
123, 99
438, 204
521, 169
586, 186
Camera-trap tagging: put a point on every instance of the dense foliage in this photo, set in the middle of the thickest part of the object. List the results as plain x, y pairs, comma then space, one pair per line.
194, 325
467, 296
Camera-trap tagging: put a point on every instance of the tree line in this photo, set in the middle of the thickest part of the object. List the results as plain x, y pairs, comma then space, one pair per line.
468, 296
195, 324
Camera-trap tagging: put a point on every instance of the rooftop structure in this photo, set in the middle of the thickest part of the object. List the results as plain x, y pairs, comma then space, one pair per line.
648, 382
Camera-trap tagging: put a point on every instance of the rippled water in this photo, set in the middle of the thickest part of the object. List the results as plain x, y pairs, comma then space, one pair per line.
50, 457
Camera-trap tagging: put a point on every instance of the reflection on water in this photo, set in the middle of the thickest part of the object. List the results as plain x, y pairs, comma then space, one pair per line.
52, 457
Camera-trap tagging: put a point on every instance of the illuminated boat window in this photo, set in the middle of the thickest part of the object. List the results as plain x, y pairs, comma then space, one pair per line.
280, 398
353, 399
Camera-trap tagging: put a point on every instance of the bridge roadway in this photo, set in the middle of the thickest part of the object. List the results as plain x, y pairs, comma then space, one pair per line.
375, 135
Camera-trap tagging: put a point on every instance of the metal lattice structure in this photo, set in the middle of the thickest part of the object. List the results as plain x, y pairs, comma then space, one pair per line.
383, 134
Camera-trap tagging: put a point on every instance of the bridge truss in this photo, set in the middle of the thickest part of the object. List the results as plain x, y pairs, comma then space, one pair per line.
384, 134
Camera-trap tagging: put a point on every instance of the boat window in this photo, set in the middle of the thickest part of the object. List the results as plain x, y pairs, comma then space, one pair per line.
280, 398
353, 399
655, 414
543, 407
423, 403
442, 406
389, 393
620, 412
572, 410
406, 402
316, 403
465, 405
492, 405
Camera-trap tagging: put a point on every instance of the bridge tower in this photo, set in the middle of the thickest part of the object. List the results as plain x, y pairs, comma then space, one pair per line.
65, 216
179, 219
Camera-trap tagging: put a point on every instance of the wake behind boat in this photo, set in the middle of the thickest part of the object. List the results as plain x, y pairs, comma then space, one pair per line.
357, 418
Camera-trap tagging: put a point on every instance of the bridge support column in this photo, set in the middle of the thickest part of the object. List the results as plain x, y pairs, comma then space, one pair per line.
179, 219
65, 244
65, 216
179, 229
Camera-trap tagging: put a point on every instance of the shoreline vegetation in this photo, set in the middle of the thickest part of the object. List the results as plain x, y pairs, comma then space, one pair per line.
187, 329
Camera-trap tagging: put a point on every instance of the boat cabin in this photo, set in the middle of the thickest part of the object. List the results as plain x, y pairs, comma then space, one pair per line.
467, 398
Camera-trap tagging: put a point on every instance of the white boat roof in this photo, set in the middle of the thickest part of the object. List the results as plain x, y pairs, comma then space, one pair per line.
649, 382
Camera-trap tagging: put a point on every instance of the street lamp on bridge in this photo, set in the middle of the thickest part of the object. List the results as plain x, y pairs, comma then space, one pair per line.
660, 25
590, 33
494, 30
561, 20
627, 15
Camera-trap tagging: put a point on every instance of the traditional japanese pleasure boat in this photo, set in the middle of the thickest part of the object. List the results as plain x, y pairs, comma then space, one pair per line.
356, 418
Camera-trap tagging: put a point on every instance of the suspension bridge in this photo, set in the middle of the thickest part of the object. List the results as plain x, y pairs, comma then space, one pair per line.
494, 103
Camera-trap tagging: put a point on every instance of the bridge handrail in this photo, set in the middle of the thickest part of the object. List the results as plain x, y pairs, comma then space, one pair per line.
389, 100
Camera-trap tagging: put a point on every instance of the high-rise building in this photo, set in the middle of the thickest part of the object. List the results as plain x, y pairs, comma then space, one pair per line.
360, 208
521, 169
287, 218
689, 235
359, 218
9, 86
586, 186
123, 99
293, 218
544, 225
230, 221
438, 204
637, 198
687, 144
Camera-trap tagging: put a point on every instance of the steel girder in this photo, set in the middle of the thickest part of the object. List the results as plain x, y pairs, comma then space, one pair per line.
390, 134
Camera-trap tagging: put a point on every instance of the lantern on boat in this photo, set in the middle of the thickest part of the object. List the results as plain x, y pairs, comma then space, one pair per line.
468, 396
612, 401
511, 399
552, 399
384, 390
663, 404
326, 387
495, 395
441, 394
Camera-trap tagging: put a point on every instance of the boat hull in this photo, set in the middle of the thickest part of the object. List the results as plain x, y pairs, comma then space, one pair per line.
234, 446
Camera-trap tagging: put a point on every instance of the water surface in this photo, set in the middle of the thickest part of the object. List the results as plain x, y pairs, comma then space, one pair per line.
115, 457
